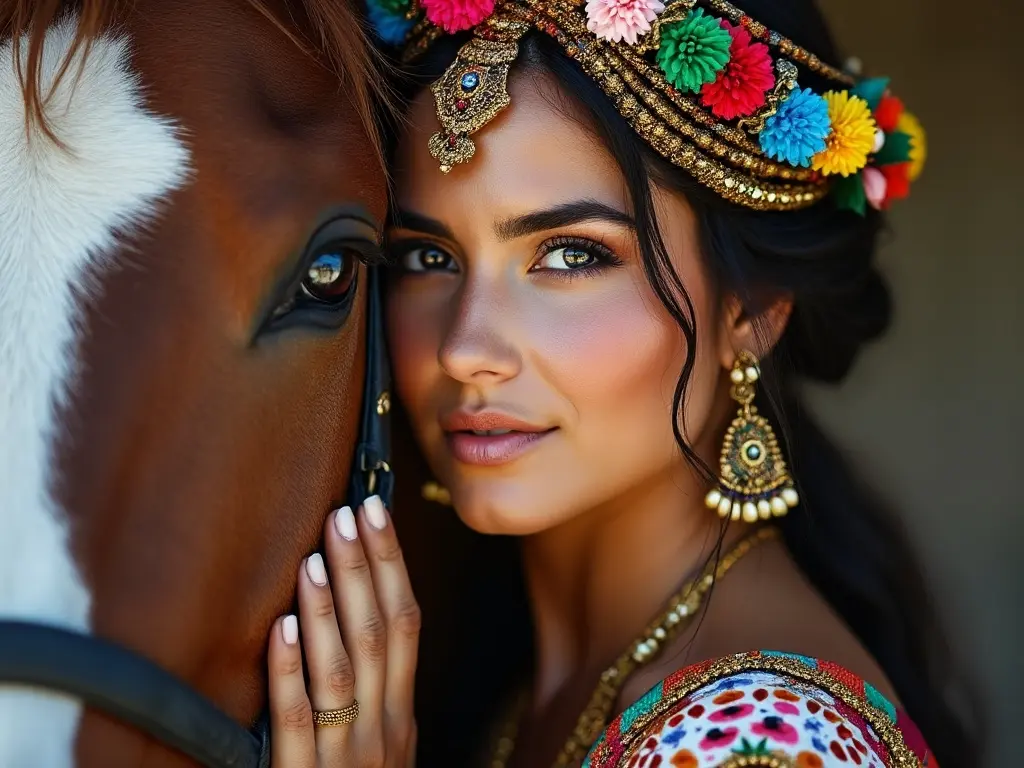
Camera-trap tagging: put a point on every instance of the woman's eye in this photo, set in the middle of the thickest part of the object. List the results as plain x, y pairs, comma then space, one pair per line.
331, 274
428, 259
567, 257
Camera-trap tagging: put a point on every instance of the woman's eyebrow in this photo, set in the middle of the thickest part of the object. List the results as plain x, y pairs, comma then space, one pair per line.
562, 215
417, 222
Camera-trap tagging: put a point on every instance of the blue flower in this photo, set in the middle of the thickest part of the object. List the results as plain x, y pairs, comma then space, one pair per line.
729, 684
391, 29
673, 738
797, 131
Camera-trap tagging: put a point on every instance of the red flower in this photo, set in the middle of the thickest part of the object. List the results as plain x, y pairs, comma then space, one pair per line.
740, 88
898, 178
887, 113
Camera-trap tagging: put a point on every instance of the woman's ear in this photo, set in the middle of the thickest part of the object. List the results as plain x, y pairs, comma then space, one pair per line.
757, 332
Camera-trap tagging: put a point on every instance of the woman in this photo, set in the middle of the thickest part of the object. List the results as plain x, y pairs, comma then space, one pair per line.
647, 218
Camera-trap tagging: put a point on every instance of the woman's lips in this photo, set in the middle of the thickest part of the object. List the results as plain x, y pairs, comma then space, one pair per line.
493, 450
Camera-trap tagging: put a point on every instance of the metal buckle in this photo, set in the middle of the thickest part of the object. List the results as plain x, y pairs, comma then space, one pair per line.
371, 480
371, 471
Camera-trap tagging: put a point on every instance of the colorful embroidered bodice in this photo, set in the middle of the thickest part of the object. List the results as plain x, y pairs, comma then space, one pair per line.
761, 710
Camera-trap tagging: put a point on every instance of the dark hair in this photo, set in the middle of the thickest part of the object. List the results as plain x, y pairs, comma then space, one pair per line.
841, 536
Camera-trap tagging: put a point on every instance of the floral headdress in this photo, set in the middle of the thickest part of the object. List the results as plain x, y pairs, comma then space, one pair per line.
709, 88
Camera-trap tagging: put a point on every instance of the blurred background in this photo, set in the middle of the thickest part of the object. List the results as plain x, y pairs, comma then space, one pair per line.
932, 414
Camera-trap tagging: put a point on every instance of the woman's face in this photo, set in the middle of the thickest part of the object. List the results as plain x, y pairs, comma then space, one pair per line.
535, 361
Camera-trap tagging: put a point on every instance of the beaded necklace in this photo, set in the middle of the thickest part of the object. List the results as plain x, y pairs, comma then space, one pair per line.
682, 607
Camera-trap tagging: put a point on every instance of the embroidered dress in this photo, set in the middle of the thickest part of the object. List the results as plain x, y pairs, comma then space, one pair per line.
761, 710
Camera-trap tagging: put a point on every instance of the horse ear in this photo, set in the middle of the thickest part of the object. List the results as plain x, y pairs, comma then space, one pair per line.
32, 28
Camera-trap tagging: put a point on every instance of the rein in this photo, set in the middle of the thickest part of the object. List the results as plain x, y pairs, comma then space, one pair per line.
130, 688
134, 690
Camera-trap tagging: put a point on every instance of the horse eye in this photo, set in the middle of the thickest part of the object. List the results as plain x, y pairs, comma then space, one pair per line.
331, 274
320, 291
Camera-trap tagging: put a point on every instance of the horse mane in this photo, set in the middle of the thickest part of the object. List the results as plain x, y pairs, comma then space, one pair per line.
341, 44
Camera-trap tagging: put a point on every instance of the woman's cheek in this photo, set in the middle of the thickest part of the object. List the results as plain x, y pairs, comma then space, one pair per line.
613, 363
413, 344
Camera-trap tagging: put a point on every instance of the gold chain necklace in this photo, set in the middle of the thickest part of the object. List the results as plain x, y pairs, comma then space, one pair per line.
680, 611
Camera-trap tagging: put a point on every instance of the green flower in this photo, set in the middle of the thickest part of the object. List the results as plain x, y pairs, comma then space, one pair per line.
693, 51
394, 7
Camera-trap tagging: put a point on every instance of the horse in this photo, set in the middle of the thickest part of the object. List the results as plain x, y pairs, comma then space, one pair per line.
189, 192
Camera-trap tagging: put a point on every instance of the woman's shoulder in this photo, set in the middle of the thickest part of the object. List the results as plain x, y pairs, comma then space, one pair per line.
762, 709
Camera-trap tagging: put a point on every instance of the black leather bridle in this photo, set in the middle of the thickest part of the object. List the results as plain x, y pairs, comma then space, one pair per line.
134, 690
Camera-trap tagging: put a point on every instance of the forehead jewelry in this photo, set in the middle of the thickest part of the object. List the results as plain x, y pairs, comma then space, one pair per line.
706, 86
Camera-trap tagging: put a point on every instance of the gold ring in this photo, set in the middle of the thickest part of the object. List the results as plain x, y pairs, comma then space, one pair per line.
332, 717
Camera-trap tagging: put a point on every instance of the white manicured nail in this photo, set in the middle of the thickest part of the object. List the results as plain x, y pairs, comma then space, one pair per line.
315, 569
374, 508
345, 522
290, 630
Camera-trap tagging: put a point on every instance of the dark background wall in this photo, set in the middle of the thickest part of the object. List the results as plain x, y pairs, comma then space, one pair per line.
933, 413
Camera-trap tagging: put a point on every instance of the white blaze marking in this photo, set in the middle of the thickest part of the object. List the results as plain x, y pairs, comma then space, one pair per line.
59, 212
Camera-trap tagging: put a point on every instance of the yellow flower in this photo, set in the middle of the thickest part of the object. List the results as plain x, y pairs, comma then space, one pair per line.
852, 137
911, 126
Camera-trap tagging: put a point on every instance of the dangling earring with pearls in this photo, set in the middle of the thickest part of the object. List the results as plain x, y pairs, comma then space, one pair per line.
754, 483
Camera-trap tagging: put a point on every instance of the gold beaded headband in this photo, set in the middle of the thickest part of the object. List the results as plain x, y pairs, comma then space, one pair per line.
707, 87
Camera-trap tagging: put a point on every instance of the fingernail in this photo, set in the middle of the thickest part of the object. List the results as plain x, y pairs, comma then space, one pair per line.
315, 569
374, 509
290, 630
345, 522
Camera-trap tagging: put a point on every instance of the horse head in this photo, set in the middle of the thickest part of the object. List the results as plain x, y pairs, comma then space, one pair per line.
187, 189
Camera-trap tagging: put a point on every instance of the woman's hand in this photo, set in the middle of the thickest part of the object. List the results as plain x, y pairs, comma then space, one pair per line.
363, 589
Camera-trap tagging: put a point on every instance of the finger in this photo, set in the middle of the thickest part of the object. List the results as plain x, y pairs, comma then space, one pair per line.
362, 627
331, 677
291, 719
398, 606
410, 756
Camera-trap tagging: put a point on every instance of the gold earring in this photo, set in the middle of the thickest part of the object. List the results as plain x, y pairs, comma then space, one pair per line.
436, 492
753, 481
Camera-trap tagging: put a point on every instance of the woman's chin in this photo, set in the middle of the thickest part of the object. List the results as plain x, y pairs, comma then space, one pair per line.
504, 512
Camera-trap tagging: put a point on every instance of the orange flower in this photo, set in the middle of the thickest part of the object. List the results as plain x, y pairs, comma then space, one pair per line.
684, 759
728, 697
809, 760
785, 695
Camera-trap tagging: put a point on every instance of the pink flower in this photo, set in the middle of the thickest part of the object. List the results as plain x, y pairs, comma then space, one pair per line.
875, 187
732, 712
716, 738
617, 20
457, 15
776, 728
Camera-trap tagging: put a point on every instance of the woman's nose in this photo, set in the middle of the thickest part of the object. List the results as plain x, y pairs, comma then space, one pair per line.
478, 348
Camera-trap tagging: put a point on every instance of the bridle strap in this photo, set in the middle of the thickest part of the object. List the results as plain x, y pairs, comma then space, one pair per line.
134, 690
372, 472
127, 686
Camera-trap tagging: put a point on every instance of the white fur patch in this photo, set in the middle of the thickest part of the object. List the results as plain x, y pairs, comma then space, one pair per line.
59, 214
